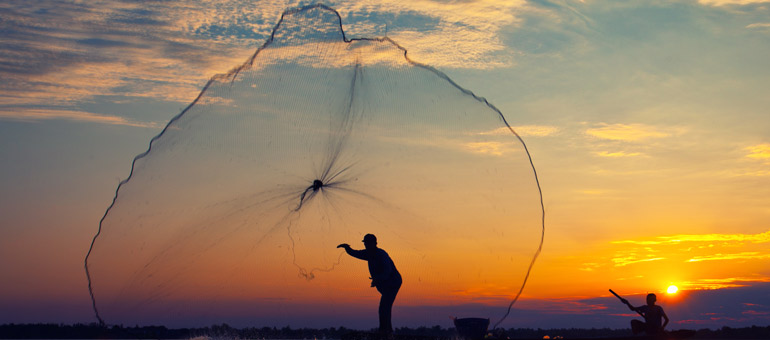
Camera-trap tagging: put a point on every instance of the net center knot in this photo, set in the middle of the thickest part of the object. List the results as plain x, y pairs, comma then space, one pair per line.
317, 184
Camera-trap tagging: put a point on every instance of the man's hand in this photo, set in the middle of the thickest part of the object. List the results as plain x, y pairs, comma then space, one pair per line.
344, 245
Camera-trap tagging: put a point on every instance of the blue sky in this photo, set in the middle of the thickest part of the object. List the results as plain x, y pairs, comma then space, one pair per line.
646, 119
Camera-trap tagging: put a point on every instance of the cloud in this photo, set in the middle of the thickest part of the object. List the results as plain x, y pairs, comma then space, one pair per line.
536, 130
487, 148
464, 143
617, 154
64, 54
463, 34
79, 116
524, 131
747, 255
676, 239
759, 25
760, 151
694, 256
731, 2
686, 257
626, 132
624, 261
721, 283
467, 33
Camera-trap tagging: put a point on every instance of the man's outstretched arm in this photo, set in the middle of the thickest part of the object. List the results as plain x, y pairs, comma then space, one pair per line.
632, 308
359, 254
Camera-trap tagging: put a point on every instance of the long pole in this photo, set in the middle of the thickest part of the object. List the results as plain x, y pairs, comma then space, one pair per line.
626, 302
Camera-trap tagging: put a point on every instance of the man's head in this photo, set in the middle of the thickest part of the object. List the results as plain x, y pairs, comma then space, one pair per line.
651, 298
370, 241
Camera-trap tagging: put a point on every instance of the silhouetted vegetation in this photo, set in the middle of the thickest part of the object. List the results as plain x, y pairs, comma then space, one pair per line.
95, 331
753, 332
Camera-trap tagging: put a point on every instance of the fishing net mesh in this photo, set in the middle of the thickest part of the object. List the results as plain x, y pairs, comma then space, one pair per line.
238, 205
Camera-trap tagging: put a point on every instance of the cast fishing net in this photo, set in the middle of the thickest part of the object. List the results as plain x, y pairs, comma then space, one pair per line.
235, 210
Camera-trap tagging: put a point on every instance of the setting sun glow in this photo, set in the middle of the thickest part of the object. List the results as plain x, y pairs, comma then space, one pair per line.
672, 289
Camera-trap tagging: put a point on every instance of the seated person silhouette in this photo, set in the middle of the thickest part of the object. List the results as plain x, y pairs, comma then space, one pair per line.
652, 317
385, 277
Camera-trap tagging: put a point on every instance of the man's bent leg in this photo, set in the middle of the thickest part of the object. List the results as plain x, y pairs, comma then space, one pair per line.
386, 308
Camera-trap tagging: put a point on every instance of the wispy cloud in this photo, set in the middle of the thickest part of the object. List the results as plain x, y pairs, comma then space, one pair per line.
760, 151
57, 56
64, 54
688, 256
466, 35
80, 116
489, 148
626, 132
729, 282
693, 253
445, 34
731, 2
624, 261
524, 131
675, 239
748, 255
536, 130
759, 25
617, 154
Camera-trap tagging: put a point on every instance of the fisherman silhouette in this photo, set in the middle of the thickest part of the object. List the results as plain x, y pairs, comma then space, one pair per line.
385, 277
652, 315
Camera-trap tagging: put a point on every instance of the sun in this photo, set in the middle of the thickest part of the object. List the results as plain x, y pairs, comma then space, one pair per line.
672, 289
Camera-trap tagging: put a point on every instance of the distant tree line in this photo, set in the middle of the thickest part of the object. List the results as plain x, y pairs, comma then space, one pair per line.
753, 332
95, 331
